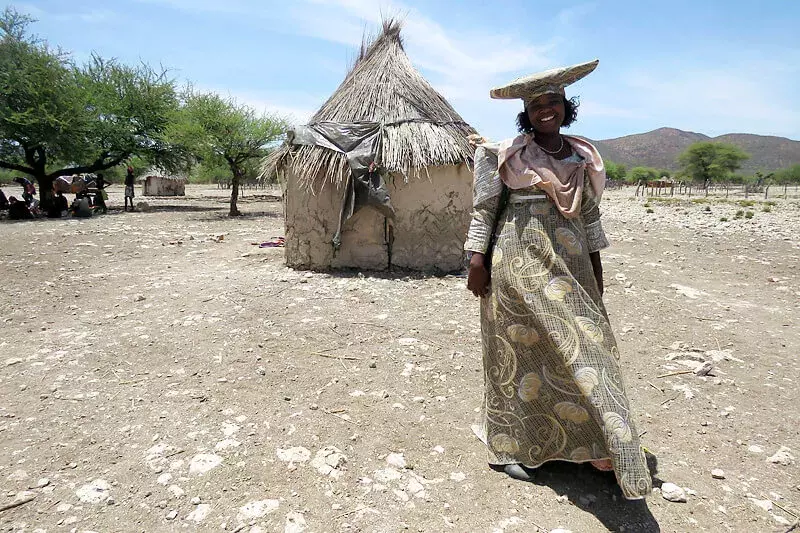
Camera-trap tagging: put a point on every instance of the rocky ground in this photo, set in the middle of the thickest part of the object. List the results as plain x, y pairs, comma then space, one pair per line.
159, 372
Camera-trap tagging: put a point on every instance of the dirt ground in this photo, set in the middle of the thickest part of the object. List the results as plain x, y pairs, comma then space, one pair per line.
159, 372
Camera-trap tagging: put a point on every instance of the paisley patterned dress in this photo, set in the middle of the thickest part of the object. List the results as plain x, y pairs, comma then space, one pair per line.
553, 386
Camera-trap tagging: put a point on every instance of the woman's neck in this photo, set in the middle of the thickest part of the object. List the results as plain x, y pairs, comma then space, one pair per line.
551, 141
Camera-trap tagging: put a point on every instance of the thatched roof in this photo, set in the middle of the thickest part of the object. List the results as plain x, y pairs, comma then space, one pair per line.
421, 129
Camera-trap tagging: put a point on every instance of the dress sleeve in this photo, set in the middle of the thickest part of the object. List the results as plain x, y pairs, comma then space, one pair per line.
590, 212
487, 189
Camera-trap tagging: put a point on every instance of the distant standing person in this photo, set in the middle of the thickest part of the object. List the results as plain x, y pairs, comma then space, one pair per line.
129, 193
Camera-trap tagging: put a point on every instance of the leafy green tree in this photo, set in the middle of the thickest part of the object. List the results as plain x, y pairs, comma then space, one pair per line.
58, 119
615, 171
217, 131
706, 162
637, 174
786, 177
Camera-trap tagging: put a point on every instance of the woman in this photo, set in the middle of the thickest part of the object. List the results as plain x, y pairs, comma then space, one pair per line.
553, 384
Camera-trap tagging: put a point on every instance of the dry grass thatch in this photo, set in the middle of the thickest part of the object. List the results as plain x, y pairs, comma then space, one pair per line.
420, 128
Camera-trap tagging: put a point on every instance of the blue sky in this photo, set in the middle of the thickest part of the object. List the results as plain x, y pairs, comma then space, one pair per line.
712, 67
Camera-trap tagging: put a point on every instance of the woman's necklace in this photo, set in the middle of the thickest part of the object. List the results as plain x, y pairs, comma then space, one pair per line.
561, 147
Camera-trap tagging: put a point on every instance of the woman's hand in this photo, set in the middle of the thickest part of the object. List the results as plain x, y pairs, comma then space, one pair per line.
478, 276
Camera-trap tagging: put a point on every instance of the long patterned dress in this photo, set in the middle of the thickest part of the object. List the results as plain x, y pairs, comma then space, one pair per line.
553, 387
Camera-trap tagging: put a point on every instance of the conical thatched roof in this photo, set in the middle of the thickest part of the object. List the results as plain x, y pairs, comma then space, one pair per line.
420, 129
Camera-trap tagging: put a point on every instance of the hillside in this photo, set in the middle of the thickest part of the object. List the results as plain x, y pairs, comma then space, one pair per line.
660, 148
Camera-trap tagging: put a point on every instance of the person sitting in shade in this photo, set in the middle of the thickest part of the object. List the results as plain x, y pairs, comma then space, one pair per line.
80, 207
18, 210
101, 196
58, 206
3, 201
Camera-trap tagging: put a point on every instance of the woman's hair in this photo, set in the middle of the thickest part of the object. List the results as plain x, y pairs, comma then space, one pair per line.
570, 115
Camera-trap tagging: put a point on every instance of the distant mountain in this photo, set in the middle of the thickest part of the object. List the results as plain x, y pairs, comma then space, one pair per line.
660, 148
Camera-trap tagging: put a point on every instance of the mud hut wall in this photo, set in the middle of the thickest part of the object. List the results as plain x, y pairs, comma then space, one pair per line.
432, 217
311, 221
155, 186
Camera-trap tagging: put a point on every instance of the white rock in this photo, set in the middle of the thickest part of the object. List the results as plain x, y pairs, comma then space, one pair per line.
176, 492
64, 507
673, 493
199, 513
256, 509
138, 298
689, 292
328, 461
195, 500
295, 523
163, 479
764, 504
782, 457
296, 454
203, 462
229, 430
717, 473
97, 491
407, 341
172, 515
42, 482
458, 477
396, 460
780, 520
13, 361
386, 475
227, 443
438, 449
18, 475
755, 449
560, 530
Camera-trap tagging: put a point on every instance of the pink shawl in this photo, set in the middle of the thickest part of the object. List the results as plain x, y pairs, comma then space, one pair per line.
522, 163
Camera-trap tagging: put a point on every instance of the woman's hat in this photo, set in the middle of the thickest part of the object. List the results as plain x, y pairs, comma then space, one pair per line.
529, 88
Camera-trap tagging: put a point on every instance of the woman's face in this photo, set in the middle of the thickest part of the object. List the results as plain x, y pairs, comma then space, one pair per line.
546, 113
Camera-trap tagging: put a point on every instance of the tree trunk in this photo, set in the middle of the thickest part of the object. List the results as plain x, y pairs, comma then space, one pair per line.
784, 191
45, 190
766, 192
234, 212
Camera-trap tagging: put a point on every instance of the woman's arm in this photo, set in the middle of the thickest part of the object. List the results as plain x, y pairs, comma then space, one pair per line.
595, 236
487, 189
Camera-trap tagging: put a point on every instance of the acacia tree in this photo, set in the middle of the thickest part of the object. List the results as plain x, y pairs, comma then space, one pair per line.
786, 177
707, 162
218, 131
58, 119
615, 172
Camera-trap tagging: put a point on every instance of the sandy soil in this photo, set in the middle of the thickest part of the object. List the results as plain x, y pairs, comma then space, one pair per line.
159, 372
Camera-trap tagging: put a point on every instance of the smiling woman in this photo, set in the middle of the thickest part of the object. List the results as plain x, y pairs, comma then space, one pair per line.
553, 387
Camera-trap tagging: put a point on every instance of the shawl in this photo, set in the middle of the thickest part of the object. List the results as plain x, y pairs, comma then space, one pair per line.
522, 163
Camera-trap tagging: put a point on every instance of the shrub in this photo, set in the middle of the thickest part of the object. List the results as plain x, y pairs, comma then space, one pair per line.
707, 209
739, 214
650, 211
766, 209
723, 219
749, 214
746, 203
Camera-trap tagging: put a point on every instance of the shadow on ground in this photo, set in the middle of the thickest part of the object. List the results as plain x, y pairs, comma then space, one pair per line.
598, 493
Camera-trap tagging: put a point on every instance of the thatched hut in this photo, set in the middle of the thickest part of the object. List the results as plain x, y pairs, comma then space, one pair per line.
381, 176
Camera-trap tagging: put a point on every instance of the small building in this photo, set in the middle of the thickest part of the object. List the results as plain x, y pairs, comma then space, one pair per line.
381, 176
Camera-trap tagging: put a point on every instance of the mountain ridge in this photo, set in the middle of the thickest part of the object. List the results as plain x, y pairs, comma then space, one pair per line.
661, 147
